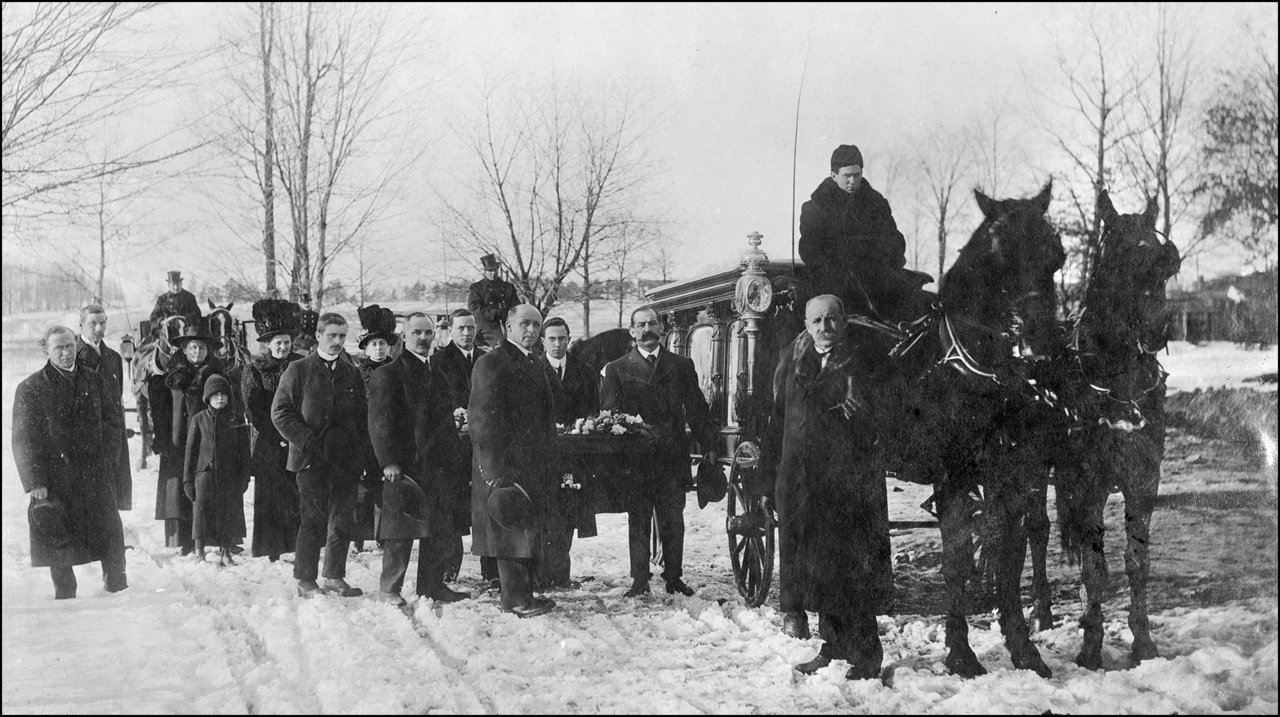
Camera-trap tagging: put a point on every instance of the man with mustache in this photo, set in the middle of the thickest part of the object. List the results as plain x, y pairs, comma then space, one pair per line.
320, 409
818, 459
512, 417
411, 428
662, 388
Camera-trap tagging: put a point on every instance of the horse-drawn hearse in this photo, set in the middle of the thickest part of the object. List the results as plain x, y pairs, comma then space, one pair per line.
984, 394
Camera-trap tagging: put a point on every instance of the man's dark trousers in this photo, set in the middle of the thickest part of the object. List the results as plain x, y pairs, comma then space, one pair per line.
327, 500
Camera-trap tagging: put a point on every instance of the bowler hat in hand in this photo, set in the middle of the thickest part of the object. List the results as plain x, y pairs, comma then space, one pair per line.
48, 519
403, 513
510, 507
712, 485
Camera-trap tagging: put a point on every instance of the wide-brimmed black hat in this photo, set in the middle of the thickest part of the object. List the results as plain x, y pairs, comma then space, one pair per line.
191, 332
48, 520
510, 507
378, 323
273, 317
489, 262
712, 485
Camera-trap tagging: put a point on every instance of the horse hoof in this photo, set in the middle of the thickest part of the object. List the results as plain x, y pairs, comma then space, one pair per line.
1090, 661
966, 666
1141, 653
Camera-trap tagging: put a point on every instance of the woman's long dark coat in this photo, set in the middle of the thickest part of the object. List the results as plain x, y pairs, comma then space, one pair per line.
833, 531
186, 391
66, 435
218, 456
369, 497
275, 490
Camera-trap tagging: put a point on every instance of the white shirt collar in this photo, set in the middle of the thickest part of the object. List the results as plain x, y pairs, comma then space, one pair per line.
423, 359
97, 345
523, 350
557, 363
324, 356
648, 354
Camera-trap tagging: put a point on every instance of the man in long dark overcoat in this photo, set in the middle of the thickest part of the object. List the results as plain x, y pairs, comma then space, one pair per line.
320, 410
576, 389
412, 431
850, 243
662, 388
489, 300
833, 527
66, 437
513, 459
93, 352
456, 360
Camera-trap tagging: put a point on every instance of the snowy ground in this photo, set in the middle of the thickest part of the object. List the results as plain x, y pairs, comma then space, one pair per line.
188, 637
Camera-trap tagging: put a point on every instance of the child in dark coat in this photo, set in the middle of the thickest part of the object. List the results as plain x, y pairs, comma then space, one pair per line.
217, 472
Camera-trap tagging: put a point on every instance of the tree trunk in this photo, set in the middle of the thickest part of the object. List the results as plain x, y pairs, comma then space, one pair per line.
267, 42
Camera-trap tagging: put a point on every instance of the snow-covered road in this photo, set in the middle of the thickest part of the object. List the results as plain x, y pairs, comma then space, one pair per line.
190, 637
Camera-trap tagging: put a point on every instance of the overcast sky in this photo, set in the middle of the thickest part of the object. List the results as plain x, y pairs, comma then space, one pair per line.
723, 82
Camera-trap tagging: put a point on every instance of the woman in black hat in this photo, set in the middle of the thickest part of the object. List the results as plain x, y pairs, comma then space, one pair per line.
377, 338
189, 368
275, 494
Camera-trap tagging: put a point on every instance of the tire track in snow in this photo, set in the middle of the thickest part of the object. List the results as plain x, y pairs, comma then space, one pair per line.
452, 662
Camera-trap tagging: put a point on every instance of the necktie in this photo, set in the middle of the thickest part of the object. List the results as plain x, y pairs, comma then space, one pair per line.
651, 359
560, 370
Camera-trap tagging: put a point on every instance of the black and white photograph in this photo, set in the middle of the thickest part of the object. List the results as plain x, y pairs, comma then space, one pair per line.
639, 358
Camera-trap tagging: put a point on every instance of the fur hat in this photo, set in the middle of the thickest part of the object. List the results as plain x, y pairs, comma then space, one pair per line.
489, 262
216, 384
846, 155
378, 323
273, 317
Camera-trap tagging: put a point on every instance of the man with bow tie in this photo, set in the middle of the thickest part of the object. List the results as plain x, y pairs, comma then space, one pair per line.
94, 353
819, 461
512, 418
575, 387
67, 430
662, 388
320, 409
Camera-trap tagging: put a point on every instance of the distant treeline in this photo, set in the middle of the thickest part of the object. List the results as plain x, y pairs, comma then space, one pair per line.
45, 287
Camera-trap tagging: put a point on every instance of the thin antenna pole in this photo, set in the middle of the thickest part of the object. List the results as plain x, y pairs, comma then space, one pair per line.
795, 146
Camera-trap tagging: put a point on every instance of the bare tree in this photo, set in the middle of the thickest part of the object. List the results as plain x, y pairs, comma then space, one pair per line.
1096, 92
998, 150
1160, 152
560, 176
66, 69
942, 159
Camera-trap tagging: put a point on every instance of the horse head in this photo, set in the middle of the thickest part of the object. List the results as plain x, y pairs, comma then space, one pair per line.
229, 335
1125, 300
1003, 278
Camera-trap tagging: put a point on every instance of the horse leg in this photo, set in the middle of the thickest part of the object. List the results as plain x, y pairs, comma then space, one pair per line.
1139, 502
1093, 568
954, 520
1038, 532
1008, 509
144, 426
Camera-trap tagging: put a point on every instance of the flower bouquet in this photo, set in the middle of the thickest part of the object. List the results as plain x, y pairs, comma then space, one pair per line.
608, 423
460, 418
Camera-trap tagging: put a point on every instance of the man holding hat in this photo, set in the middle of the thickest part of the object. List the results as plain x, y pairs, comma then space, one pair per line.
849, 241
67, 430
490, 299
412, 432
177, 302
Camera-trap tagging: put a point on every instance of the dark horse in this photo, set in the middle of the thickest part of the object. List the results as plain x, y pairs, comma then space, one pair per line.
606, 346
1116, 387
961, 408
229, 338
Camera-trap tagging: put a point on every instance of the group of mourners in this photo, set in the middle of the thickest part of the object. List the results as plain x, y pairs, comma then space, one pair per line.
368, 447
